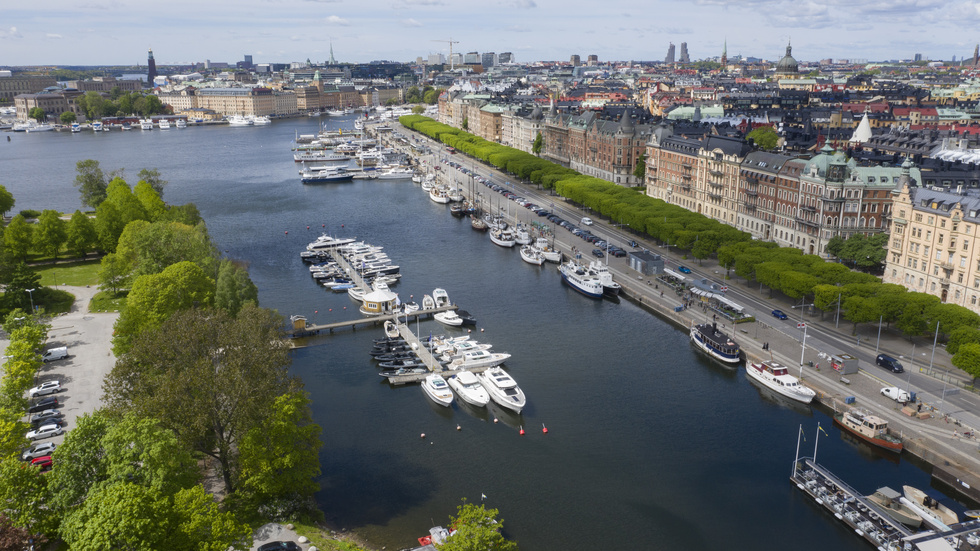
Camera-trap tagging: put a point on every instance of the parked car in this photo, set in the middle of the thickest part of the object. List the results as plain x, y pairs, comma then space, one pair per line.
617, 252
55, 354
632, 243
43, 404
598, 253
543, 212
896, 394
38, 450
889, 363
45, 462
683, 269
41, 417
779, 314
43, 389
280, 546
45, 431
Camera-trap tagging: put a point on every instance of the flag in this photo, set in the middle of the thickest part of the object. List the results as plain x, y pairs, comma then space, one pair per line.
483, 496
821, 429
803, 434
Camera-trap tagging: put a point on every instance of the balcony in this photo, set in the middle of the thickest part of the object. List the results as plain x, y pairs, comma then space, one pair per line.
900, 221
808, 208
686, 176
752, 179
946, 265
716, 173
750, 207
751, 193
715, 196
837, 199
944, 281
806, 222
716, 184
688, 166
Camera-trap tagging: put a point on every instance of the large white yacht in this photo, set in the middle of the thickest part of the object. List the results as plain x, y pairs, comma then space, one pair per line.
776, 377
503, 389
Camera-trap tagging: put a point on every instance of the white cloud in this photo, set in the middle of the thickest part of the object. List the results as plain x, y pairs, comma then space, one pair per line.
335, 20
524, 4
411, 23
53, 35
12, 32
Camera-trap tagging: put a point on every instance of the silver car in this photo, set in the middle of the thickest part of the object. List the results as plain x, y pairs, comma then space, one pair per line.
45, 431
39, 450
43, 389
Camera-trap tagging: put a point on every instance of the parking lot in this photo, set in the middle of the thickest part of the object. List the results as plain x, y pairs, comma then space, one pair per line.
87, 336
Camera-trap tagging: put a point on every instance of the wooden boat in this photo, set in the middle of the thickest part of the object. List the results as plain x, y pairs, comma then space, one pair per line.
870, 428
938, 511
889, 502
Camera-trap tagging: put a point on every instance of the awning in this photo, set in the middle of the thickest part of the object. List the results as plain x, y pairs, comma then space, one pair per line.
705, 294
731, 304
672, 273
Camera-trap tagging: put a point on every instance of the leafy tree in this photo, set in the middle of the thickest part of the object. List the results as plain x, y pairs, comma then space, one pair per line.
140, 450
24, 497
234, 288
109, 226
153, 205
18, 237
120, 516
91, 182
913, 320
640, 170
858, 309
12, 429
835, 245
14, 538
413, 95
37, 114
538, 144
113, 273
477, 529
6, 201
121, 195
81, 464
967, 358
17, 279
155, 297
202, 526
185, 214
418, 110
280, 457
765, 137
164, 371
93, 104
67, 117
961, 336
81, 235
431, 97
149, 248
466, 123
50, 233
152, 176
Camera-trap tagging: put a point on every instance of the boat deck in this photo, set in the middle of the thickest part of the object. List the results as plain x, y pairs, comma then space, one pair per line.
847, 504
430, 361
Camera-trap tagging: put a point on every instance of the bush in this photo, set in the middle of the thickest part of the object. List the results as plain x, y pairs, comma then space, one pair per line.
30, 213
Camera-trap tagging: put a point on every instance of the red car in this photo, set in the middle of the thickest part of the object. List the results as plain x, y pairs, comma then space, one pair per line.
45, 462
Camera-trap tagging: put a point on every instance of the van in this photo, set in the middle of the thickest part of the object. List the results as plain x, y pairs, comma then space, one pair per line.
889, 363
55, 354
586, 221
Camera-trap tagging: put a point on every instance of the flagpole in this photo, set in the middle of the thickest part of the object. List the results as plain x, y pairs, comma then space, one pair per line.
815, 442
796, 460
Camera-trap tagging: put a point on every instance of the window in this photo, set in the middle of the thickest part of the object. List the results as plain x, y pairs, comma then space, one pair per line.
926, 252
942, 223
962, 262
966, 244
932, 288
940, 239
959, 277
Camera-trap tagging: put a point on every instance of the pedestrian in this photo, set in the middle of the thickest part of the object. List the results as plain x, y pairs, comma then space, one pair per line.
919, 407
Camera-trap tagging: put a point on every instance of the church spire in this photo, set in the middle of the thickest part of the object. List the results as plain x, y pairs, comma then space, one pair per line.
724, 55
332, 60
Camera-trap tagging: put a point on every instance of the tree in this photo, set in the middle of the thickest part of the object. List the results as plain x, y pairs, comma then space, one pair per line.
50, 233
93, 104
835, 245
152, 177
538, 144
6, 201
765, 137
234, 288
165, 373
149, 248
81, 236
81, 464
37, 114
24, 497
967, 358
109, 226
153, 205
413, 95
466, 123
858, 309
14, 538
91, 182
141, 450
18, 237
202, 526
121, 195
640, 170
120, 516
67, 117
477, 529
431, 97
418, 110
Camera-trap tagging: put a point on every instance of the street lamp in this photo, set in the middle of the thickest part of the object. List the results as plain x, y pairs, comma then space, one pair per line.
30, 293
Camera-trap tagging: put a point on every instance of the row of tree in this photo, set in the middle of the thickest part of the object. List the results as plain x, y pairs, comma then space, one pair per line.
427, 94
95, 105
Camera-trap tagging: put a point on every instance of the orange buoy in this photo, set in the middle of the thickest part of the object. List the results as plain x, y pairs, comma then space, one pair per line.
522, 430
323, 225
544, 429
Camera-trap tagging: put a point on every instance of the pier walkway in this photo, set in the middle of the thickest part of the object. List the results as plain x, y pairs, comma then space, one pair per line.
353, 274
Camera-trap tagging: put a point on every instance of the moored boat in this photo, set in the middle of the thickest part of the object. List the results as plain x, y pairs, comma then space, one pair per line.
436, 388
326, 242
325, 174
503, 389
479, 358
933, 508
547, 251
469, 389
578, 278
502, 237
890, 503
718, 345
441, 297
532, 255
448, 317
870, 428
609, 287
777, 377
478, 223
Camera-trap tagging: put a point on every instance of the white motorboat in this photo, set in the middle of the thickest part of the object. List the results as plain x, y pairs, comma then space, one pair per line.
547, 251
325, 174
326, 242
428, 183
521, 235
503, 389
394, 173
578, 278
776, 377
448, 317
318, 156
164, 124
43, 127
261, 120
97, 126
928, 505
180, 123
410, 307
441, 297
503, 238
239, 120
146, 124
436, 388
609, 287
428, 303
75, 127
438, 195
469, 389
391, 330
479, 358
356, 293
531, 255
454, 350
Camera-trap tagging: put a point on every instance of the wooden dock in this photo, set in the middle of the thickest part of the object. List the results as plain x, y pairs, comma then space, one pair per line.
430, 361
378, 321
353, 274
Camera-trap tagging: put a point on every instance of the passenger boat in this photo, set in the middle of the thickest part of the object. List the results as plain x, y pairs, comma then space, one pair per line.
317, 156
547, 251
469, 389
717, 344
503, 389
325, 174
260, 119
42, 127
531, 255
890, 503
97, 126
436, 388
479, 358
870, 428
75, 127
609, 287
394, 173
503, 238
164, 124
933, 508
239, 120
180, 123
326, 242
578, 278
146, 124
777, 377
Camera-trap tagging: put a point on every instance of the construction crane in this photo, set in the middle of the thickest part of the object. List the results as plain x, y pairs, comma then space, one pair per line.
451, 42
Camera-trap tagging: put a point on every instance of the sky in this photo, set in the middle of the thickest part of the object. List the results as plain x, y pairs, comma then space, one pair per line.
119, 32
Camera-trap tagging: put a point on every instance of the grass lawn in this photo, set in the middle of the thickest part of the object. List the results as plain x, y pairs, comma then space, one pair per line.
323, 540
75, 273
107, 302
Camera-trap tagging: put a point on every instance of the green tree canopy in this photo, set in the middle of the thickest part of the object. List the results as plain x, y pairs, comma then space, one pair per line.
6, 201
967, 358
37, 114
765, 137
477, 529
18, 237
234, 288
91, 182
81, 236
67, 117
538, 144
50, 234
152, 176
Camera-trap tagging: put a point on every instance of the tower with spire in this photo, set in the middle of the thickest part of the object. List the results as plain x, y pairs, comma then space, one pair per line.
724, 56
151, 72
332, 60
976, 55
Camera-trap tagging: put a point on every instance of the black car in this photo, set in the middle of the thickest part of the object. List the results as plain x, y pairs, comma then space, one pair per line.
280, 546
889, 363
49, 402
543, 213
618, 253
598, 253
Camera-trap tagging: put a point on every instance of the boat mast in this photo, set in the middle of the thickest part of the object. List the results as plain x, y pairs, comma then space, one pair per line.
796, 459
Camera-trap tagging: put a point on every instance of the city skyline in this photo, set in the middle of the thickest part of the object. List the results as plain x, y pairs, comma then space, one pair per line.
118, 32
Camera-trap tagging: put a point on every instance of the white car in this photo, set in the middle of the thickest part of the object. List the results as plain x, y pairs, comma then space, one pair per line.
38, 450
896, 394
46, 431
43, 389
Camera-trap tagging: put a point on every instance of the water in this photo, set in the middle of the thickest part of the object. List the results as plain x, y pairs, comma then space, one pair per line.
650, 445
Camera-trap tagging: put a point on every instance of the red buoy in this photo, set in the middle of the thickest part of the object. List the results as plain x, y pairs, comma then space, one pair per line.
323, 225
522, 430
287, 233
544, 429
307, 227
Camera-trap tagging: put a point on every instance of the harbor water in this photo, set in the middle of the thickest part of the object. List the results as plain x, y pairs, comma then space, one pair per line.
649, 443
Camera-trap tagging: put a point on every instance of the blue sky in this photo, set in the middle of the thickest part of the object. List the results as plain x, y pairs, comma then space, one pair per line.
89, 32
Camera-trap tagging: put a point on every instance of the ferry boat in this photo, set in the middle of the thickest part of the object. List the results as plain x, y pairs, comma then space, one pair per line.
180, 123
717, 344
260, 119
326, 243
164, 124
146, 124
870, 428
75, 127
609, 287
318, 155
239, 120
578, 278
325, 174
776, 377
97, 126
